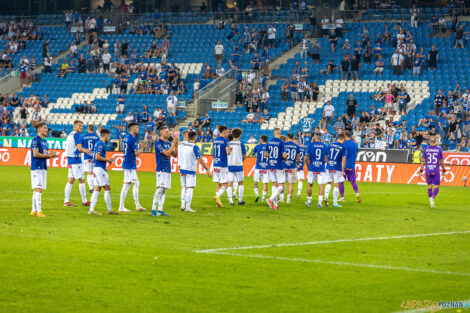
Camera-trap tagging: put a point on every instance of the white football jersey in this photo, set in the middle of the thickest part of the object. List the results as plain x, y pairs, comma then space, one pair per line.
235, 158
188, 154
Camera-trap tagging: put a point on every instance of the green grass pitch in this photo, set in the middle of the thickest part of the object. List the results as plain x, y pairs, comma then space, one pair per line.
73, 262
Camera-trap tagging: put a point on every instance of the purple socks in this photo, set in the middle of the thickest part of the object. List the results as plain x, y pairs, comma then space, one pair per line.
341, 190
436, 191
430, 193
354, 185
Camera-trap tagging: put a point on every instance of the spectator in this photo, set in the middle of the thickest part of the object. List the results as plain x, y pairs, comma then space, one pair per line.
402, 101
23, 115
252, 140
315, 49
355, 65
438, 100
329, 69
325, 26
171, 102
258, 117
219, 52
256, 62
328, 113
414, 14
459, 33
397, 62
433, 57
333, 39
220, 71
305, 45
271, 36
285, 87
339, 26
301, 88
339, 125
293, 87
379, 66
351, 105
206, 121
263, 104
120, 103
106, 59
250, 117
345, 66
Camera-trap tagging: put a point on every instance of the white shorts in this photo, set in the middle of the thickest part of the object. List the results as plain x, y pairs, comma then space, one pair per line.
101, 177
300, 175
88, 166
291, 175
188, 180
163, 180
335, 176
220, 175
130, 176
76, 171
261, 176
39, 179
236, 176
321, 178
277, 176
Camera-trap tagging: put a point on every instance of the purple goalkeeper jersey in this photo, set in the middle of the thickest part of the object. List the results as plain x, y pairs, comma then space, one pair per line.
433, 155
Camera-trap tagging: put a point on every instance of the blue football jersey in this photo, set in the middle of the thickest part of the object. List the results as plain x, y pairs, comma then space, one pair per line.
163, 162
219, 146
261, 159
88, 142
336, 152
300, 167
275, 149
316, 152
351, 154
292, 150
41, 145
307, 123
130, 146
101, 150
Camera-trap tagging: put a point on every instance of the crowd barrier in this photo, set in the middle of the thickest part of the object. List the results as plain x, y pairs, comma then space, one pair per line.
457, 167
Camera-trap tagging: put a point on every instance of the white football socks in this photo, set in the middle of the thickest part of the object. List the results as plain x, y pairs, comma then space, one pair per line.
320, 199
122, 199
68, 190
89, 180
264, 195
189, 197
82, 189
183, 197
299, 187
162, 199
37, 200
220, 192
34, 202
107, 199
335, 194
135, 193
255, 188
241, 189
94, 199
327, 191
229, 194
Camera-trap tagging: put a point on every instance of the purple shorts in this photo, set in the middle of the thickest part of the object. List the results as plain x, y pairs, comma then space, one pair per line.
350, 174
433, 178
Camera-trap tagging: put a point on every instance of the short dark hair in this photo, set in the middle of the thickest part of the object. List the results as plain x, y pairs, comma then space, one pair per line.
237, 132
132, 124
77, 122
317, 135
191, 135
39, 125
347, 133
91, 127
162, 128
283, 138
104, 131
264, 138
341, 137
290, 135
222, 128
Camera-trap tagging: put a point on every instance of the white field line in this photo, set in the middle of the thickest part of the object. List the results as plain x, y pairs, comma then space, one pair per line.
330, 241
387, 267
424, 310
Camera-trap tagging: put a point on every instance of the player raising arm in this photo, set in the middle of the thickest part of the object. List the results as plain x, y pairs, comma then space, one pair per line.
261, 168
131, 151
315, 158
73, 151
39, 155
431, 158
335, 168
101, 175
190, 155
164, 150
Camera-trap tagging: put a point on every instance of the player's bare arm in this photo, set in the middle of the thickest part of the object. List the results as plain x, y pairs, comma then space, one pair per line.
204, 165
98, 157
143, 145
81, 150
50, 155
